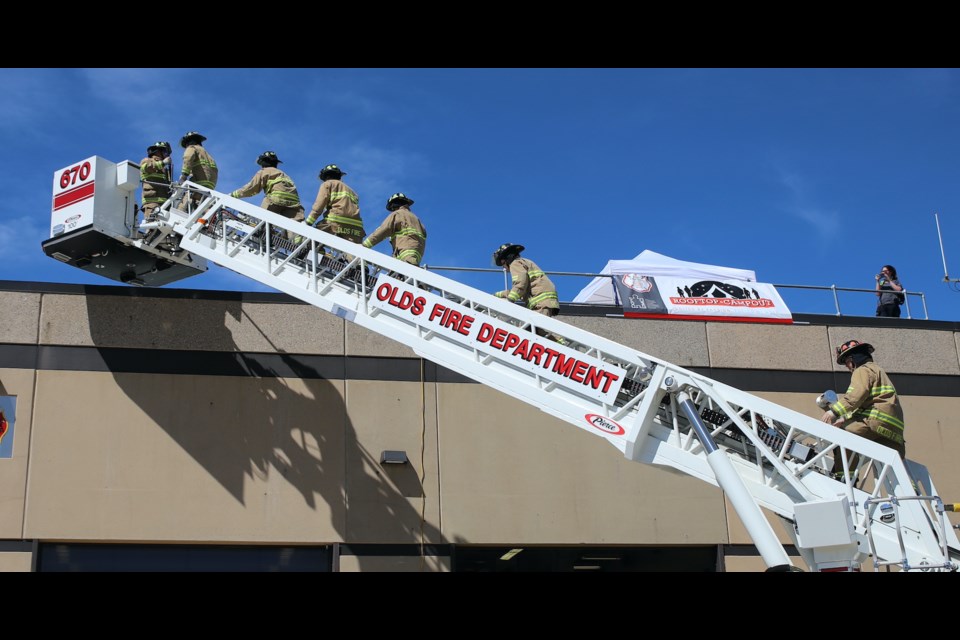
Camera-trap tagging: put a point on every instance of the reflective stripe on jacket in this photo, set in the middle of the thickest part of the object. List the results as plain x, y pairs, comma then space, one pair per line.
275, 184
152, 170
340, 203
531, 285
199, 166
407, 235
872, 399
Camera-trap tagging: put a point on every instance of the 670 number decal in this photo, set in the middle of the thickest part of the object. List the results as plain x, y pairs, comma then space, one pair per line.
69, 176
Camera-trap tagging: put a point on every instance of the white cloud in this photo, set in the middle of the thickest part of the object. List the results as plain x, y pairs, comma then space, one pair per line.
793, 182
352, 102
19, 233
825, 223
326, 91
131, 88
384, 171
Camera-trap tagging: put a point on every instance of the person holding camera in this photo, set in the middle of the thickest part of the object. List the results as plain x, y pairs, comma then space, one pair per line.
889, 293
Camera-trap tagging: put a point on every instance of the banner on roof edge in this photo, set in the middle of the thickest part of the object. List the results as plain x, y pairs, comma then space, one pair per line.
693, 298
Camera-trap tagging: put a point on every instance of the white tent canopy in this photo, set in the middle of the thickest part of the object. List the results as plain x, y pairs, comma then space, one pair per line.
651, 263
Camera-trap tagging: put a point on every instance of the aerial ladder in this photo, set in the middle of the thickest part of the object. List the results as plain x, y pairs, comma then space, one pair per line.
762, 455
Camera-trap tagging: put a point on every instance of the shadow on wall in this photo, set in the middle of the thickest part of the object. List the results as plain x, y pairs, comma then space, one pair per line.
264, 414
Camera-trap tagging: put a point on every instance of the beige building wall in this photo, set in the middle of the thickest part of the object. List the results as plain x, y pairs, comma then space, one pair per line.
134, 457
16, 561
515, 475
188, 324
287, 451
13, 471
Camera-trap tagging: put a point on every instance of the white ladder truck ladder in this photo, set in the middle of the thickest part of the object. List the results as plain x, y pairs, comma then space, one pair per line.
762, 455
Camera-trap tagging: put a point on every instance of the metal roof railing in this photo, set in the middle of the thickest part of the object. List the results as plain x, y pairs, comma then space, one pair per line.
832, 289
836, 299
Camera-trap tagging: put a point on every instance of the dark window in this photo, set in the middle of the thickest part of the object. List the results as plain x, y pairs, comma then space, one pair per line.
142, 557
585, 559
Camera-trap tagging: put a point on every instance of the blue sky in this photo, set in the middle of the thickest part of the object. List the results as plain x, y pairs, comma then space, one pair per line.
808, 177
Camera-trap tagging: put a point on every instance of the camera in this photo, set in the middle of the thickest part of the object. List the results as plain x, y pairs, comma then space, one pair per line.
880, 276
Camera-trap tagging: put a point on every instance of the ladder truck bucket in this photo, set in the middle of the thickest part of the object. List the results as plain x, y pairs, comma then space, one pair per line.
93, 226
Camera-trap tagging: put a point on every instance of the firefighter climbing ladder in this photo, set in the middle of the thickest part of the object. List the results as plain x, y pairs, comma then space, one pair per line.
761, 454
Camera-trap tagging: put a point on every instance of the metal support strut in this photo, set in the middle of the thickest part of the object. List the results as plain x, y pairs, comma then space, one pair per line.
772, 552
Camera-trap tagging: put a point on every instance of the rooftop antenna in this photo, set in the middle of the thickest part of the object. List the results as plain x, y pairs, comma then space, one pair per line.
946, 276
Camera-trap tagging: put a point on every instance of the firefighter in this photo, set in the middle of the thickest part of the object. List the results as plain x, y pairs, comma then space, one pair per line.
198, 165
155, 172
279, 192
407, 235
531, 285
339, 205
870, 408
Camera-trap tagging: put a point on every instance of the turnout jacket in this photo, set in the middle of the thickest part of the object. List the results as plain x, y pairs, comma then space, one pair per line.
276, 186
199, 166
407, 235
872, 399
530, 285
153, 170
340, 203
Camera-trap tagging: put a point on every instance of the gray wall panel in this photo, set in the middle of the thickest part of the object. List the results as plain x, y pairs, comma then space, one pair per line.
19, 317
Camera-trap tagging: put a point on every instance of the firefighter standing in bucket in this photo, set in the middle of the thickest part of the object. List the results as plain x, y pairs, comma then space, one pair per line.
531, 285
279, 191
870, 408
155, 172
198, 166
